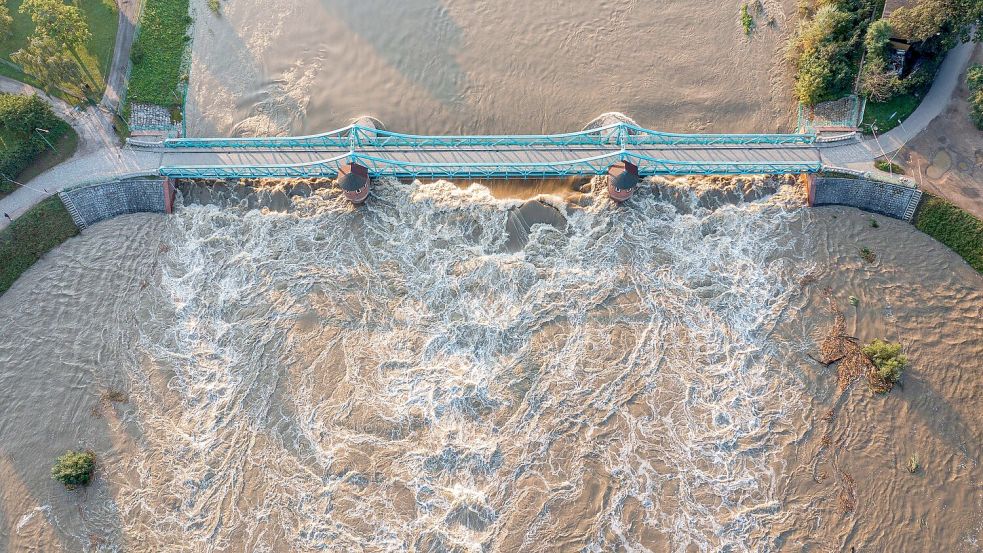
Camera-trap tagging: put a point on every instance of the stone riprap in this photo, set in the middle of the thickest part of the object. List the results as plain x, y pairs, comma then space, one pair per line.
885, 198
149, 117
97, 202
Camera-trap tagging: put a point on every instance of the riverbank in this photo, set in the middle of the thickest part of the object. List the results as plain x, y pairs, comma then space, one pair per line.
35, 233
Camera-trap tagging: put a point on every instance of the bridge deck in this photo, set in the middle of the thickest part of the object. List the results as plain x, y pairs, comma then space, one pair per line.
586, 152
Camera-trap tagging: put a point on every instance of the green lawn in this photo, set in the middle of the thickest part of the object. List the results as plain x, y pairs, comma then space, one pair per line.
30, 236
887, 114
959, 230
102, 18
157, 53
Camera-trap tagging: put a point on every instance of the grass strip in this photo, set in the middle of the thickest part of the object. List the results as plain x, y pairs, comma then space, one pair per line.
157, 53
32, 235
952, 226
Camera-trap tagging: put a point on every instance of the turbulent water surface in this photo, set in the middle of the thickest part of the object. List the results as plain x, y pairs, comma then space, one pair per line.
441, 371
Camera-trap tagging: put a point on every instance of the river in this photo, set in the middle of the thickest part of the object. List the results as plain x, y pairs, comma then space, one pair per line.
486, 66
443, 370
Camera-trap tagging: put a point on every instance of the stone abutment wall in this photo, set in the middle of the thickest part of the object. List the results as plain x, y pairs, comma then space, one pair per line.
92, 203
893, 200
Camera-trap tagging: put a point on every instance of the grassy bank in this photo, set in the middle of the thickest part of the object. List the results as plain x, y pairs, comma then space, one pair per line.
30, 236
32, 139
886, 115
102, 18
157, 53
952, 226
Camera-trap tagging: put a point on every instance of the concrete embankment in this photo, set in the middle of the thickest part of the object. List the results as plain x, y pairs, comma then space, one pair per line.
894, 200
89, 204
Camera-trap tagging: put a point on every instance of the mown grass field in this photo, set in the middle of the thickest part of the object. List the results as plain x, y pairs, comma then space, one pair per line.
30, 236
157, 53
959, 230
886, 115
102, 17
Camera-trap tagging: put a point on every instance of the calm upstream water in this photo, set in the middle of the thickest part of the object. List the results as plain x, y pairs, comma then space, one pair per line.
442, 370
486, 66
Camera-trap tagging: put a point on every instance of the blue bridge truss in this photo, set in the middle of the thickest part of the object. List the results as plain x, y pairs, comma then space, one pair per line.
589, 152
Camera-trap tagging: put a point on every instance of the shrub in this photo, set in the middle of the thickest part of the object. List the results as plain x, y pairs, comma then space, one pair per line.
20, 117
74, 468
746, 20
974, 78
888, 359
824, 54
867, 255
889, 167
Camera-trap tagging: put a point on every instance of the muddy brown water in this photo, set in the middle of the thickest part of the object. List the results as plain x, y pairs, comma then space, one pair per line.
410, 376
487, 66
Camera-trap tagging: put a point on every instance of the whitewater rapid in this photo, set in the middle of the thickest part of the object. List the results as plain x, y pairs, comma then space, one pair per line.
391, 377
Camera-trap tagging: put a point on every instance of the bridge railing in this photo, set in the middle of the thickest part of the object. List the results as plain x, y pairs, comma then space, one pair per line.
593, 165
620, 135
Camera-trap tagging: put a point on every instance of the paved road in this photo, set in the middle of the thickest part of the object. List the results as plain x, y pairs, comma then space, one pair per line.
129, 13
858, 154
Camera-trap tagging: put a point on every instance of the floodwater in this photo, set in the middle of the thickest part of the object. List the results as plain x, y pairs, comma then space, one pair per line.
442, 370
487, 66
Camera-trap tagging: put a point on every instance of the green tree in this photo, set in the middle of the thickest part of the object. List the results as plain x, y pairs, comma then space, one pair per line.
945, 20
823, 53
60, 21
47, 60
877, 38
888, 359
64, 25
5, 20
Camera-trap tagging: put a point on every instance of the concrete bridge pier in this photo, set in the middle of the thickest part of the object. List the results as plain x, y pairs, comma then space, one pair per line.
623, 180
354, 182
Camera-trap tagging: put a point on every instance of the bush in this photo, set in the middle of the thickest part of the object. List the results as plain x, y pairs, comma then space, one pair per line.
824, 53
888, 359
74, 468
20, 117
746, 20
889, 167
974, 78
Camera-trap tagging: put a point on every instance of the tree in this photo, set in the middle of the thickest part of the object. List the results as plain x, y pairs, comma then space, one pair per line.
823, 53
878, 82
949, 20
48, 61
5, 21
60, 21
878, 35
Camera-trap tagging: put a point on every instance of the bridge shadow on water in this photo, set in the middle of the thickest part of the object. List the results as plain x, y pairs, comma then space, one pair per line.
424, 51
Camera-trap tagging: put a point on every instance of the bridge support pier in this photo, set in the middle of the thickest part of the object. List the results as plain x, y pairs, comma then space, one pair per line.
622, 180
169, 193
354, 182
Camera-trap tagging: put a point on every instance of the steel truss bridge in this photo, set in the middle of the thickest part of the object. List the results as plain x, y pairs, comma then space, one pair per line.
589, 152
